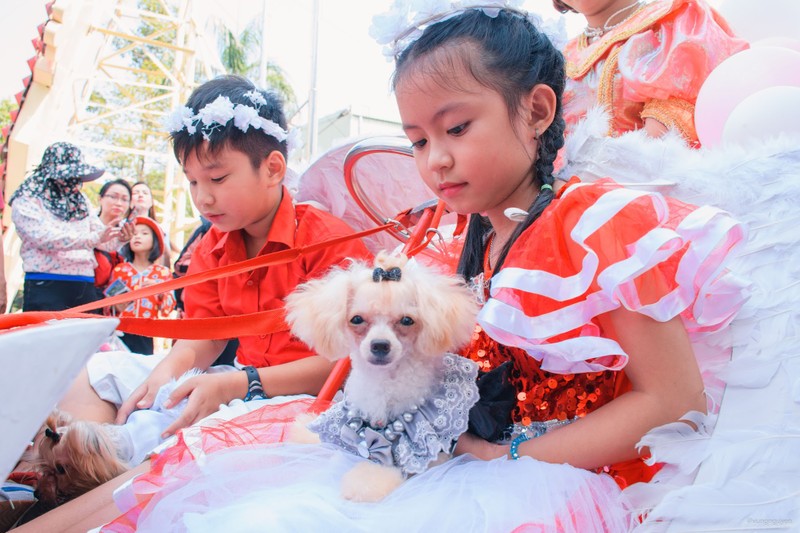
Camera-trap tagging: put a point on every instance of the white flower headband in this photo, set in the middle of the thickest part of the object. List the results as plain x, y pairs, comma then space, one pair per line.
218, 113
407, 19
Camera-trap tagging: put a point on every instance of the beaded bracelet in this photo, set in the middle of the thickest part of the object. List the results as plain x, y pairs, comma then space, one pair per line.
515, 444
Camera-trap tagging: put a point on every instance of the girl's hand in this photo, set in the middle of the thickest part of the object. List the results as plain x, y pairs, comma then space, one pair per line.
654, 128
206, 393
485, 450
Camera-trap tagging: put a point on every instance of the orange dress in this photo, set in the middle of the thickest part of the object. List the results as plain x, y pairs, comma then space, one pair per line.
650, 66
158, 305
596, 248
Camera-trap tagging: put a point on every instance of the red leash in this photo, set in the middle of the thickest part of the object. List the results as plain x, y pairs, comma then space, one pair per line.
261, 323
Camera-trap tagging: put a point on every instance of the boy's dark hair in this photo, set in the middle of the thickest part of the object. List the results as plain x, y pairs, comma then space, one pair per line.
126, 252
509, 55
107, 185
256, 144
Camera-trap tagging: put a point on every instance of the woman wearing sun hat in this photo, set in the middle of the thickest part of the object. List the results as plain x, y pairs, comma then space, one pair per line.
58, 231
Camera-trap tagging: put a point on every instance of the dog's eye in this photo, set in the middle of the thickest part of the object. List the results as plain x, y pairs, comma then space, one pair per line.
407, 321
356, 320
61, 470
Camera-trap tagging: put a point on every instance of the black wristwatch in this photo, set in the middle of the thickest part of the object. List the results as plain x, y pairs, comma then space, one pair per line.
255, 391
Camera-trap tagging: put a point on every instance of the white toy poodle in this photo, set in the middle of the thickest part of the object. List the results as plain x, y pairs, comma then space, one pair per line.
407, 398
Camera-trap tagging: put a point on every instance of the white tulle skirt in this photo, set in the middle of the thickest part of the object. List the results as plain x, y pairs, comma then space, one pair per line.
290, 487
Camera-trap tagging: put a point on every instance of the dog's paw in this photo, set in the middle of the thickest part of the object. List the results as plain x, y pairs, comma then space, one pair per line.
369, 482
298, 431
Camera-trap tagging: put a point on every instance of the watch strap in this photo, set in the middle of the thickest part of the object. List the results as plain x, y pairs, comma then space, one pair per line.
254, 388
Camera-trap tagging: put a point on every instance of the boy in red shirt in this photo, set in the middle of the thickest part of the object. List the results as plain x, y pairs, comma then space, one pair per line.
232, 142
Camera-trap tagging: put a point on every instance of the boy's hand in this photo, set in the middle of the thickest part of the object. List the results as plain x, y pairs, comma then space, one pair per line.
206, 393
145, 394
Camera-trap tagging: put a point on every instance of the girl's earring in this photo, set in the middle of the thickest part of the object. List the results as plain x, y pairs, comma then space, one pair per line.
536, 134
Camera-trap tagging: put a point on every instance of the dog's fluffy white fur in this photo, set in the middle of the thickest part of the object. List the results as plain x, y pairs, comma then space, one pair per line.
393, 332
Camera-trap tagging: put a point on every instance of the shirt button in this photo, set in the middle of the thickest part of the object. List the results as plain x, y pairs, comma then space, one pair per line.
262, 336
249, 282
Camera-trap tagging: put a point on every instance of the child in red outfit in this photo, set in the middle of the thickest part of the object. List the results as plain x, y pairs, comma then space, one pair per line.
140, 270
231, 141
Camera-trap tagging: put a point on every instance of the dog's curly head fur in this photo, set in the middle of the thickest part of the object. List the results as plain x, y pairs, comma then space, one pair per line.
379, 322
80, 458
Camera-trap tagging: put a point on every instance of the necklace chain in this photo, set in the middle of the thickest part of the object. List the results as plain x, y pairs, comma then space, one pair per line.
492, 257
594, 32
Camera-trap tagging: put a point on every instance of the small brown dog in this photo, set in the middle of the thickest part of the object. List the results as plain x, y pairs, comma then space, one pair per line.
73, 457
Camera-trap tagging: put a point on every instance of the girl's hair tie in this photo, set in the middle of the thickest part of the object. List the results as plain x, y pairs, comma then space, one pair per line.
546, 186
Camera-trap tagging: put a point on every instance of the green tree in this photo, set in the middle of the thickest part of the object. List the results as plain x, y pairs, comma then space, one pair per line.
240, 55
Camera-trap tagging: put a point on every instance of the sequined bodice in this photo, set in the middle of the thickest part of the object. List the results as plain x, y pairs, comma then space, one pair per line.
541, 395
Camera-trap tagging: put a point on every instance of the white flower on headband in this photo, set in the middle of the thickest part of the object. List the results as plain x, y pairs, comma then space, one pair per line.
386, 27
407, 19
218, 113
256, 97
294, 140
245, 117
270, 128
181, 118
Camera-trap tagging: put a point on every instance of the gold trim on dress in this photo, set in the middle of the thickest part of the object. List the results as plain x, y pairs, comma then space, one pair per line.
643, 18
605, 87
673, 113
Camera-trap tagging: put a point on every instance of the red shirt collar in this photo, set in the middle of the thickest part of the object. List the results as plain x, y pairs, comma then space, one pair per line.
282, 231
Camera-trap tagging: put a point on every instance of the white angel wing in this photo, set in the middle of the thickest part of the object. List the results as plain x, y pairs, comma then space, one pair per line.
744, 474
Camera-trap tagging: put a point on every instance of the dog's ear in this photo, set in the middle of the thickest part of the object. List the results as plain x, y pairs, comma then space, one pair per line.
317, 313
448, 309
92, 455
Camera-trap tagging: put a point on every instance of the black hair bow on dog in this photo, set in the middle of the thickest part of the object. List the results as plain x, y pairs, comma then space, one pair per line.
393, 274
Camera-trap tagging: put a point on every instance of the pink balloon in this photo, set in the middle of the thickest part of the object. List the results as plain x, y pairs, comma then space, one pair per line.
736, 78
760, 19
767, 113
780, 42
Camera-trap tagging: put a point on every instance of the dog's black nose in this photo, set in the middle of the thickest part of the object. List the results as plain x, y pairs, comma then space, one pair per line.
380, 347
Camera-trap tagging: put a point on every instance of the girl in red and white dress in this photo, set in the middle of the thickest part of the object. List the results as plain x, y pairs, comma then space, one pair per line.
594, 292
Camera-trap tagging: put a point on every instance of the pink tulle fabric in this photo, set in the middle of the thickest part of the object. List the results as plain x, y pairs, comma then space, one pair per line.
177, 465
238, 477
